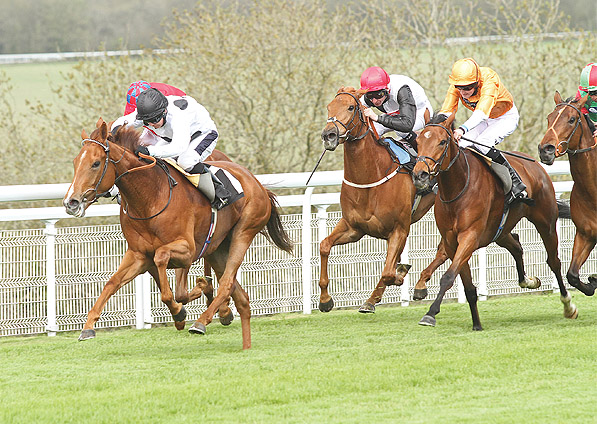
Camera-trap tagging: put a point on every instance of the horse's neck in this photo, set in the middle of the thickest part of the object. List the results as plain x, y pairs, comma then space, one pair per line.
135, 182
583, 166
365, 160
452, 181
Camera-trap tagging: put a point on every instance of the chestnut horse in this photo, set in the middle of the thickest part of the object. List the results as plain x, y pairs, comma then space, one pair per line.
469, 211
376, 198
168, 223
563, 137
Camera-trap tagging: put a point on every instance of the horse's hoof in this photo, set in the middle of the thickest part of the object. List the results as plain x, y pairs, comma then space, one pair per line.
209, 279
477, 328
427, 320
573, 314
530, 283
181, 316
227, 319
86, 335
420, 294
179, 325
326, 306
197, 328
367, 308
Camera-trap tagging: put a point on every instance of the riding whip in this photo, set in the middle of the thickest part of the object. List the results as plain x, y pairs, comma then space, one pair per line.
316, 165
503, 151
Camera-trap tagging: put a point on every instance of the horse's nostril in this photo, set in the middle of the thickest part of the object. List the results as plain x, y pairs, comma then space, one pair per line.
73, 203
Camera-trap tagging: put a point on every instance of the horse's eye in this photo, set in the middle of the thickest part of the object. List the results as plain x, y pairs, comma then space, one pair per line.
571, 120
351, 108
443, 142
96, 164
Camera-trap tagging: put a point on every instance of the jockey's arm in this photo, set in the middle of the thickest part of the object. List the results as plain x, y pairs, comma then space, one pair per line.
181, 137
130, 119
405, 120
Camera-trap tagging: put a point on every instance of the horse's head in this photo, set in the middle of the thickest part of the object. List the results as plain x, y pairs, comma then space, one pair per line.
562, 126
93, 177
436, 149
346, 121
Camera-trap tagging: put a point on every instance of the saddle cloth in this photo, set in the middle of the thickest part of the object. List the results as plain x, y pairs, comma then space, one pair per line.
229, 181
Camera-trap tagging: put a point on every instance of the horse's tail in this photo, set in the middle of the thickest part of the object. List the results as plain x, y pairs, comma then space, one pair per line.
275, 231
564, 210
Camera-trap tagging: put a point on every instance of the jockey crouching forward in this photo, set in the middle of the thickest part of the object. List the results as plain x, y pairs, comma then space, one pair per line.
401, 100
494, 116
177, 127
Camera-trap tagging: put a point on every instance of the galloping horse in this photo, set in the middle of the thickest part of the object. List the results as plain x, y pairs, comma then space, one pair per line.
562, 137
469, 209
376, 198
168, 223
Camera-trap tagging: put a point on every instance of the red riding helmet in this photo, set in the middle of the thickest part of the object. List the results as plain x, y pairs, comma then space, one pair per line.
374, 79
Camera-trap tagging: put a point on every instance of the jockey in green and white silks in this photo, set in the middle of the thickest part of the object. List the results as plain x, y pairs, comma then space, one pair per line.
401, 100
588, 85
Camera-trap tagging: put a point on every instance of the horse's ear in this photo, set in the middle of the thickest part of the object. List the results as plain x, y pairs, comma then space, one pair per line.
557, 97
582, 101
359, 93
99, 122
84, 135
340, 90
450, 119
427, 116
103, 130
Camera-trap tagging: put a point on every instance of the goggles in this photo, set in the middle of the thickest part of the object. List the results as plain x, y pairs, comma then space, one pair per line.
376, 94
466, 87
153, 120
593, 93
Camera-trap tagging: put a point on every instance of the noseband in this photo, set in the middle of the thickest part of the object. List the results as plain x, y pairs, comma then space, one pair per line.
348, 128
564, 144
106, 148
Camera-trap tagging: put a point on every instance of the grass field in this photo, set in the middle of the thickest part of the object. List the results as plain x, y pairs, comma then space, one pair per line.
31, 81
529, 365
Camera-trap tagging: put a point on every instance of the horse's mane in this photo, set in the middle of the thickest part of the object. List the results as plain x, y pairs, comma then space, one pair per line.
438, 118
126, 136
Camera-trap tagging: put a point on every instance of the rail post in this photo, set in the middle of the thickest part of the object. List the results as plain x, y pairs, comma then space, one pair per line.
306, 250
50, 233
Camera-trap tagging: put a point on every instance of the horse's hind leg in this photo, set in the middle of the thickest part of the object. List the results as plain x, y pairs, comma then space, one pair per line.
511, 243
132, 265
241, 301
420, 291
343, 233
580, 252
396, 242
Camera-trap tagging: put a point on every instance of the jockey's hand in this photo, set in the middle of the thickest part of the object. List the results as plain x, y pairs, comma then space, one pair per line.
458, 133
141, 149
370, 114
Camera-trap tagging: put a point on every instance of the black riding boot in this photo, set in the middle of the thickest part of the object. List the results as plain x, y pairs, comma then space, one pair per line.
518, 191
221, 195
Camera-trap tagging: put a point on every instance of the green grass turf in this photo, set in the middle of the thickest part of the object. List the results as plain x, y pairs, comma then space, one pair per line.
530, 365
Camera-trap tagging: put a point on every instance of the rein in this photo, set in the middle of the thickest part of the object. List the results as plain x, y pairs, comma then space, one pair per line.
171, 181
566, 142
438, 163
349, 137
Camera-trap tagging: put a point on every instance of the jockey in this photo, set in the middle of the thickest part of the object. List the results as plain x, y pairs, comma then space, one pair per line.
138, 87
588, 84
177, 127
401, 100
494, 116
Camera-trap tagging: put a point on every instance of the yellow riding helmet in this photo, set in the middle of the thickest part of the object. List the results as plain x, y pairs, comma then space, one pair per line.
465, 72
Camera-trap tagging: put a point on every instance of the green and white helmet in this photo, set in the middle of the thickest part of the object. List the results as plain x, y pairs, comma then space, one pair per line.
588, 78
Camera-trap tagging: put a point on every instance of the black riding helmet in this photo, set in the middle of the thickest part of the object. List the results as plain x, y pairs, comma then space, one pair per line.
151, 105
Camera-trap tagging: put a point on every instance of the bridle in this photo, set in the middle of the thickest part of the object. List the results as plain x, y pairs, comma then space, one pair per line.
565, 144
171, 181
350, 126
437, 164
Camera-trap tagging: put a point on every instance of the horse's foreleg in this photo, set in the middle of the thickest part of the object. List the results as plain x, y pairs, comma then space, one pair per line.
548, 234
181, 291
467, 244
180, 252
132, 265
470, 291
420, 291
396, 243
583, 245
343, 233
